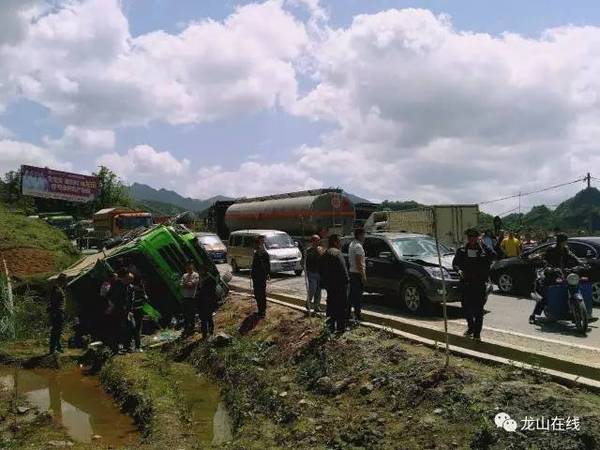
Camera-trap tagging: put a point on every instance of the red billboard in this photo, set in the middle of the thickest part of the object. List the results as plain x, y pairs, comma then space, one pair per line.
48, 183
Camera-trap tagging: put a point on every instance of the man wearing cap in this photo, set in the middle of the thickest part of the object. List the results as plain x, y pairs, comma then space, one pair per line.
558, 256
473, 261
313, 279
56, 312
260, 273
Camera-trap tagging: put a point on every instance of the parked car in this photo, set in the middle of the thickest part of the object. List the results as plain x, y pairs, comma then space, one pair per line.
405, 265
516, 275
214, 246
283, 252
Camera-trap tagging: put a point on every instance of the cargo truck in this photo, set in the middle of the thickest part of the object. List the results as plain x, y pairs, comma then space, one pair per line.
451, 221
110, 223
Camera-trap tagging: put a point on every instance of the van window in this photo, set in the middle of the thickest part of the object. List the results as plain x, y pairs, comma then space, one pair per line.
235, 240
249, 241
278, 241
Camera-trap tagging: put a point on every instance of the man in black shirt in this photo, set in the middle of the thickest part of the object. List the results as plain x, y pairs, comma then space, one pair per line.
261, 269
56, 312
558, 256
120, 299
313, 280
473, 261
335, 279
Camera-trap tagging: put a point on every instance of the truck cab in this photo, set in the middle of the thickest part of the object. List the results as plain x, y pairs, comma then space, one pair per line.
113, 222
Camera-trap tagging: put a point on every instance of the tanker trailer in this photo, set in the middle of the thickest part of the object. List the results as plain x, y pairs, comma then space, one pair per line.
299, 214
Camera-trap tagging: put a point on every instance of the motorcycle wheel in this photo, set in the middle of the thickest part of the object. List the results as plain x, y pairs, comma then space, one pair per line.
580, 318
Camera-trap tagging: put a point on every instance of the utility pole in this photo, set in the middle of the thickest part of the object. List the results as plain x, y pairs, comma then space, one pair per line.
588, 178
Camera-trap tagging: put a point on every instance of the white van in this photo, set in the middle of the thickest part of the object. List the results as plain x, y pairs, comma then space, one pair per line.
283, 252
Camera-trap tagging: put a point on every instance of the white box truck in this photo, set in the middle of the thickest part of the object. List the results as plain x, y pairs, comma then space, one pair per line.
452, 221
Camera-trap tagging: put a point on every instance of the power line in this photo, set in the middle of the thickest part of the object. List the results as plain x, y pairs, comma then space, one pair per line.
523, 194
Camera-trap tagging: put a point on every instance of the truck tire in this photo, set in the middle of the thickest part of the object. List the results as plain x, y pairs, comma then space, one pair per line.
298, 272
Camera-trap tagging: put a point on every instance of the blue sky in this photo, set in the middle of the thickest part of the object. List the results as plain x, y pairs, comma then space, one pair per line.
392, 106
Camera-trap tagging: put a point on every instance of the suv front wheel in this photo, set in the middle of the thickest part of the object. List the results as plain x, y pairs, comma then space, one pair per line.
412, 297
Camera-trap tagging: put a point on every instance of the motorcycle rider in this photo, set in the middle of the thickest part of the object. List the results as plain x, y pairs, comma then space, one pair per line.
473, 261
558, 256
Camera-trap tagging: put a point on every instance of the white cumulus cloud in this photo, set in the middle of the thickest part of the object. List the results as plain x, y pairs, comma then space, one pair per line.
251, 179
144, 163
82, 140
82, 63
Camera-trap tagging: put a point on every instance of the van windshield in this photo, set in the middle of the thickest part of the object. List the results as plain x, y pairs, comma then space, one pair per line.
209, 239
278, 241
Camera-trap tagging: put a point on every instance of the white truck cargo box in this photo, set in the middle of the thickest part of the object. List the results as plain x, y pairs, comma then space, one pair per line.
452, 221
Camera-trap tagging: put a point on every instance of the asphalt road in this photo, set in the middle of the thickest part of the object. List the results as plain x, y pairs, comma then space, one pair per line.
505, 314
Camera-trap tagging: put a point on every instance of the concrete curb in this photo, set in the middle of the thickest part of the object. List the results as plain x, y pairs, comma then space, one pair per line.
486, 351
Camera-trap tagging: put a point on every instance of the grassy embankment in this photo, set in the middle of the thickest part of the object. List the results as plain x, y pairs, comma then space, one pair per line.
288, 383
33, 250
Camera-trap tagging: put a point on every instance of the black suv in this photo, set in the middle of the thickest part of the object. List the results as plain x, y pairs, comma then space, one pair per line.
405, 265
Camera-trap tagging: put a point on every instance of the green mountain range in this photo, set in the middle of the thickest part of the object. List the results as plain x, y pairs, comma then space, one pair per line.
579, 213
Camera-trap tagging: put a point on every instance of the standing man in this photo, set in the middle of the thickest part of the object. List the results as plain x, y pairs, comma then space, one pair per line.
119, 299
139, 298
472, 261
489, 241
260, 273
189, 285
334, 278
511, 246
311, 268
358, 273
56, 312
207, 302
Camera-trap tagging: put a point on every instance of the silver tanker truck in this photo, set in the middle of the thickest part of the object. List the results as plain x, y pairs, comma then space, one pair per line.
300, 214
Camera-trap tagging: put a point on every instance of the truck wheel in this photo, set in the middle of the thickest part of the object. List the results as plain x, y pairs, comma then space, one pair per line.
234, 266
412, 297
298, 272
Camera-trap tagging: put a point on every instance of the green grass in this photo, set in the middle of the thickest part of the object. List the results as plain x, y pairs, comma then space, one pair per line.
16, 230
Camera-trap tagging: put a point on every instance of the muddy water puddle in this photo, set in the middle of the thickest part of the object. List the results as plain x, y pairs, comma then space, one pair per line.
77, 402
204, 410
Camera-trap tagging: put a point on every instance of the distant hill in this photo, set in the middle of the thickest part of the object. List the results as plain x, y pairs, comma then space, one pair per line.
578, 213
158, 208
143, 192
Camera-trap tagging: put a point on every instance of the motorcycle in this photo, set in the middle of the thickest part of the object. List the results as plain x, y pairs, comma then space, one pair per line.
567, 295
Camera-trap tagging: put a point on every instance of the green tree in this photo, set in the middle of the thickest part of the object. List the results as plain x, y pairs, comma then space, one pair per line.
10, 193
111, 191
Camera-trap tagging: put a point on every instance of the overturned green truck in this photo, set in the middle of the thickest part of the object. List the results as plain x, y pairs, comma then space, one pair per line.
160, 255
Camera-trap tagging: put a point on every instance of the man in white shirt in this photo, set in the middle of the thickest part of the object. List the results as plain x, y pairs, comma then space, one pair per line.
189, 285
358, 274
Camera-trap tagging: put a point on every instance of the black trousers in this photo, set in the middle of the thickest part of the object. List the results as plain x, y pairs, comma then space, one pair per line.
138, 316
205, 312
472, 304
356, 293
260, 294
189, 316
57, 320
337, 308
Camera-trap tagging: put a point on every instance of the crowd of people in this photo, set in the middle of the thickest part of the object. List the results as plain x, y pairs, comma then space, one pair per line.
326, 268
124, 296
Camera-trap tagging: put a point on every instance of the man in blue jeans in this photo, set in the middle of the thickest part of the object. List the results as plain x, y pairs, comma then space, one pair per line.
358, 274
313, 279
